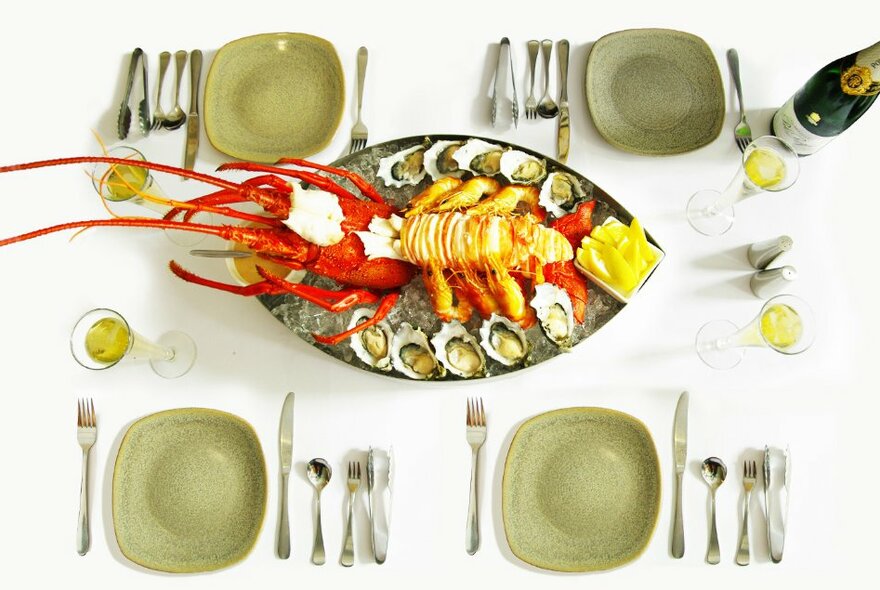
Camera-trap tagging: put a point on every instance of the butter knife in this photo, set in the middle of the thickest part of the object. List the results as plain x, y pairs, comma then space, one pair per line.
192, 118
680, 451
285, 452
563, 136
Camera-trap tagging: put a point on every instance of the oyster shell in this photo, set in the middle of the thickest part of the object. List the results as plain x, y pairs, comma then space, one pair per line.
561, 193
479, 157
372, 345
403, 168
521, 168
553, 307
504, 340
458, 350
411, 354
439, 161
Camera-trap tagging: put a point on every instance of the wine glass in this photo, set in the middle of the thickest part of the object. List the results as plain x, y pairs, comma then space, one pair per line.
101, 338
785, 324
768, 164
121, 183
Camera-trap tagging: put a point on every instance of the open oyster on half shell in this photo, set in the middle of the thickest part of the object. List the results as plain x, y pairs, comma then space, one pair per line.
411, 354
372, 345
504, 340
406, 167
458, 350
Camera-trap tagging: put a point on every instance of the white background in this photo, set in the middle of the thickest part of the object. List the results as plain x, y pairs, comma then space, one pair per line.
430, 70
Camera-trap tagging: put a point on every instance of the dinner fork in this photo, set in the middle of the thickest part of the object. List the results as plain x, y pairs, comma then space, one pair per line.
742, 133
750, 472
86, 434
159, 114
354, 481
531, 101
359, 131
476, 436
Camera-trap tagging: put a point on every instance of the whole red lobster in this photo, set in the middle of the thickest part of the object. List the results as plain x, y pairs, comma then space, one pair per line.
363, 280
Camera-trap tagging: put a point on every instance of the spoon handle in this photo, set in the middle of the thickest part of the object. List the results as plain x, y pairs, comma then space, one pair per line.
713, 555
318, 557
179, 64
546, 49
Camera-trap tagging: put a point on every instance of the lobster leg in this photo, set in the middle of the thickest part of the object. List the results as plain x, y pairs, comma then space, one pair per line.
322, 182
385, 306
359, 181
261, 288
334, 301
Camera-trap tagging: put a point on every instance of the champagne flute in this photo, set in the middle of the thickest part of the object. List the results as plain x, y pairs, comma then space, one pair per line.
785, 324
121, 183
102, 337
768, 164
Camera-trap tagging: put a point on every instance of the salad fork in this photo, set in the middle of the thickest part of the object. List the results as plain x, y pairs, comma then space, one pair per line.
476, 436
354, 481
750, 473
86, 435
359, 131
531, 101
742, 133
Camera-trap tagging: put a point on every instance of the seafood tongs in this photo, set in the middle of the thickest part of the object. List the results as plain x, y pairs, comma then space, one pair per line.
505, 45
776, 538
379, 533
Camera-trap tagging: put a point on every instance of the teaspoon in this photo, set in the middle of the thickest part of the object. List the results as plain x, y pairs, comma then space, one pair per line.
547, 108
177, 117
714, 472
319, 473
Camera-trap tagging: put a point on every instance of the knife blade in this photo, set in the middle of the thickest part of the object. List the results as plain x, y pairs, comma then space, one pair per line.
563, 136
285, 453
192, 118
679, 437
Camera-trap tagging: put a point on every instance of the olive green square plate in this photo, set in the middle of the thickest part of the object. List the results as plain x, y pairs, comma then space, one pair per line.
581, 490
274, 95
654, 91
189, 490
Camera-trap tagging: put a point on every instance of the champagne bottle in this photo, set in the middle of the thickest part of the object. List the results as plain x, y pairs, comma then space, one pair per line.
832, 100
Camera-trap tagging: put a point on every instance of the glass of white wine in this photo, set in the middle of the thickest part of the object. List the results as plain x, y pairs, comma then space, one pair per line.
101, 338
785, 324
768, 164
134, 184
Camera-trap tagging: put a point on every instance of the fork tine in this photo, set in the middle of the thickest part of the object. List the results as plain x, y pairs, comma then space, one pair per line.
94, 416
79, 413
482, 414
469, 420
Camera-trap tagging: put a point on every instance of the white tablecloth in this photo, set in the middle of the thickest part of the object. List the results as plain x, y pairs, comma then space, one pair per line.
430, 71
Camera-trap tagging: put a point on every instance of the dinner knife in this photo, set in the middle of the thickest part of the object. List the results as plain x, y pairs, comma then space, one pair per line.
192, 118
563, 136
285, 452
679, 437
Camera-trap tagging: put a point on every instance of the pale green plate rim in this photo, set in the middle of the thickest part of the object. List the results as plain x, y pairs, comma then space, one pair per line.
126, 442
654, 460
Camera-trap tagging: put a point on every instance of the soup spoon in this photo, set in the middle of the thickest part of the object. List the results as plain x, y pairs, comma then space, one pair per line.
319, 474
714, 472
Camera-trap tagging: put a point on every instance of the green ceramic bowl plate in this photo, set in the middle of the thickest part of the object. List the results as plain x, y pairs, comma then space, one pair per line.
189, 490
581, 490
274, 95
655, 91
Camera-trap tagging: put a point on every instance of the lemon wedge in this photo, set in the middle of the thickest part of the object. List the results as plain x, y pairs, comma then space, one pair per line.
617, 254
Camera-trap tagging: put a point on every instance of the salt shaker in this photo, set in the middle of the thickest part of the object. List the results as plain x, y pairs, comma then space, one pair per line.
772, 281
761, 254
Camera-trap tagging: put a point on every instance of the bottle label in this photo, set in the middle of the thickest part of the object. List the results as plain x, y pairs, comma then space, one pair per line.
863, 77
787, 128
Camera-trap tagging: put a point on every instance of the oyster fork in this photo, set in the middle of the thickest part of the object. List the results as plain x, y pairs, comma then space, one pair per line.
531, 101
86, 435
354, 482
742, 133
476, 436
359, 131
750, 472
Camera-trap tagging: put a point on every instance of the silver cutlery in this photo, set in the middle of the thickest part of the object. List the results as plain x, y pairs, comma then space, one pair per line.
86, 435
379, 511
319, 473
531, 101
742, 133
504, 47
563, 136
354, 482
787, 486
221, 253
679, 438
359, 131
776, 538
158, 112
176, 117
547, 109
714, 471
750, 473
285, 453
476, 436
192, 120
123, 121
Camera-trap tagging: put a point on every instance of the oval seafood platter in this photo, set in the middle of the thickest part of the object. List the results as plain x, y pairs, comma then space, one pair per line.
412, 342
